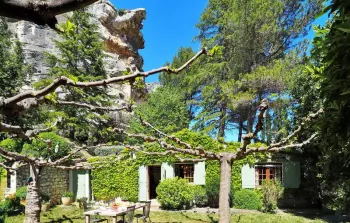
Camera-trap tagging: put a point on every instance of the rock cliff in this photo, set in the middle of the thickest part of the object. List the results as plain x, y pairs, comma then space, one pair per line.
121, 33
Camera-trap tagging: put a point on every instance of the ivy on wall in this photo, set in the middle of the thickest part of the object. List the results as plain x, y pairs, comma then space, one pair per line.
114, 178
118, 177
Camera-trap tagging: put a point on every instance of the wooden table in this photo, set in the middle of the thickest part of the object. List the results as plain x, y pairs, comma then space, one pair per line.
121, 211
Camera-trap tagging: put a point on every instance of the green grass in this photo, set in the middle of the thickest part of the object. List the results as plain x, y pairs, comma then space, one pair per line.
2, 183
72, 214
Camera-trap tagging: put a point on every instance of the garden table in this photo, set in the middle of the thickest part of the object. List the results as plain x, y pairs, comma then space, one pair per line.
114, 213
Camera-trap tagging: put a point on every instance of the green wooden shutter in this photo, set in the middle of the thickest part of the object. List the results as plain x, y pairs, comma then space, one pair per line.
248, 176
167, 171
199, 173
143, 183
291, 174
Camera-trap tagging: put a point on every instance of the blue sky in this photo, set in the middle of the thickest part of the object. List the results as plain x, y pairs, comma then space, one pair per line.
168, 26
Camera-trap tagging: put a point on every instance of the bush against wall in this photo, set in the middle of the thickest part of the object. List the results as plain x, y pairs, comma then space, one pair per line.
271, 190
174, 193
200, 196
21, 193
212, 179
247, 199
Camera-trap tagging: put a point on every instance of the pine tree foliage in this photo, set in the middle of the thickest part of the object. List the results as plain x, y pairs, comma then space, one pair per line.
80, 58
13, 69
254, 54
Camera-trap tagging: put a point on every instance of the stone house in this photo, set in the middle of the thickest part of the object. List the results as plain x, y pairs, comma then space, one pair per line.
53, 182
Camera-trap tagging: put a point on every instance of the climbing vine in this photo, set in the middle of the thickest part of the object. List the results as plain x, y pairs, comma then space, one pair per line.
123, 172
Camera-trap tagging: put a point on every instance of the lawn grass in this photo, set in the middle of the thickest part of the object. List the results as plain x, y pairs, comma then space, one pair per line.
3, 183
72, 214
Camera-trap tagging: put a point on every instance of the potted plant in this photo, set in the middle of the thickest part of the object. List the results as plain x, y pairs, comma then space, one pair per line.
82, 202
45, 202
67, 198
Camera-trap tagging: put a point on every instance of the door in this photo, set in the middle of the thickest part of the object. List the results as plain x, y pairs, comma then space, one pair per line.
154, 176
143, 183
80, 184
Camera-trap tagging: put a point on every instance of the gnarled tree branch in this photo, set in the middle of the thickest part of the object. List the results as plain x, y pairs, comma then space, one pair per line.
65, 81
38, 11
94, 108
16, 156
23, 133
200, 153
258, 127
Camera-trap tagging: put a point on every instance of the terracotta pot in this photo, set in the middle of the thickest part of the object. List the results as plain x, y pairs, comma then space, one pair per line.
66, 200
45, 207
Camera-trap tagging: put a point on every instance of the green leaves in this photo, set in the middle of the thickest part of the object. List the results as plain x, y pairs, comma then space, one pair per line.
68, 28
165, 109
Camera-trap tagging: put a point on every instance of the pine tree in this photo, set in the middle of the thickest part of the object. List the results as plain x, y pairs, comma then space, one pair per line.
13, 68
81, 58
245, 36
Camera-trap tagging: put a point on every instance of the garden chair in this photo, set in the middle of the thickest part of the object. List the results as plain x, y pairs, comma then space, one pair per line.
95, 218
129, 215
146, 212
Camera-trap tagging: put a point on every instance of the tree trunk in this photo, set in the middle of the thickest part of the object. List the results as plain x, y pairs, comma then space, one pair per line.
225, 188
240, 130
33, 206
222, 121
250, 121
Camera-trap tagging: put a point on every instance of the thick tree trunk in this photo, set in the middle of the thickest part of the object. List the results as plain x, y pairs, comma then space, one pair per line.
225, 187
33, 206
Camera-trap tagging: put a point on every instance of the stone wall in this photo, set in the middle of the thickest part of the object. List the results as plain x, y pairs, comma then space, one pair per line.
53, 182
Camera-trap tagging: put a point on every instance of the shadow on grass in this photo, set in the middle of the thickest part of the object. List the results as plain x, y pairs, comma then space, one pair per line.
328, 216
63, 219
200, 220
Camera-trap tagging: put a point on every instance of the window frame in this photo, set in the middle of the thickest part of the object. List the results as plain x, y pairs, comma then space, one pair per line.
185, 177
268, 167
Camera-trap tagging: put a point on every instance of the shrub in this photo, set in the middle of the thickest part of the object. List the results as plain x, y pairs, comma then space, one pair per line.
2, 215
67, 194
174, 193
21, 193
247, 199
271, 190
45, 198
200, 196
213, 192
11, 205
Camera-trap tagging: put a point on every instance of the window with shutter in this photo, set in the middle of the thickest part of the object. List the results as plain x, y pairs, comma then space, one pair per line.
268, 171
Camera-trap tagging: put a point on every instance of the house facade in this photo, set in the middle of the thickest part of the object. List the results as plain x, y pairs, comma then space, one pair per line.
288, 172
53, 182
151, 175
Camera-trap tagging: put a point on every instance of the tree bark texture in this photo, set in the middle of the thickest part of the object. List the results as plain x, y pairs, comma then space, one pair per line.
222, 124
33, 206
240, 130
225, 188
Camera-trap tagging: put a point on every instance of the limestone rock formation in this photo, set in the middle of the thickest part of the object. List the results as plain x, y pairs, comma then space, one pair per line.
121, 35
120, 30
